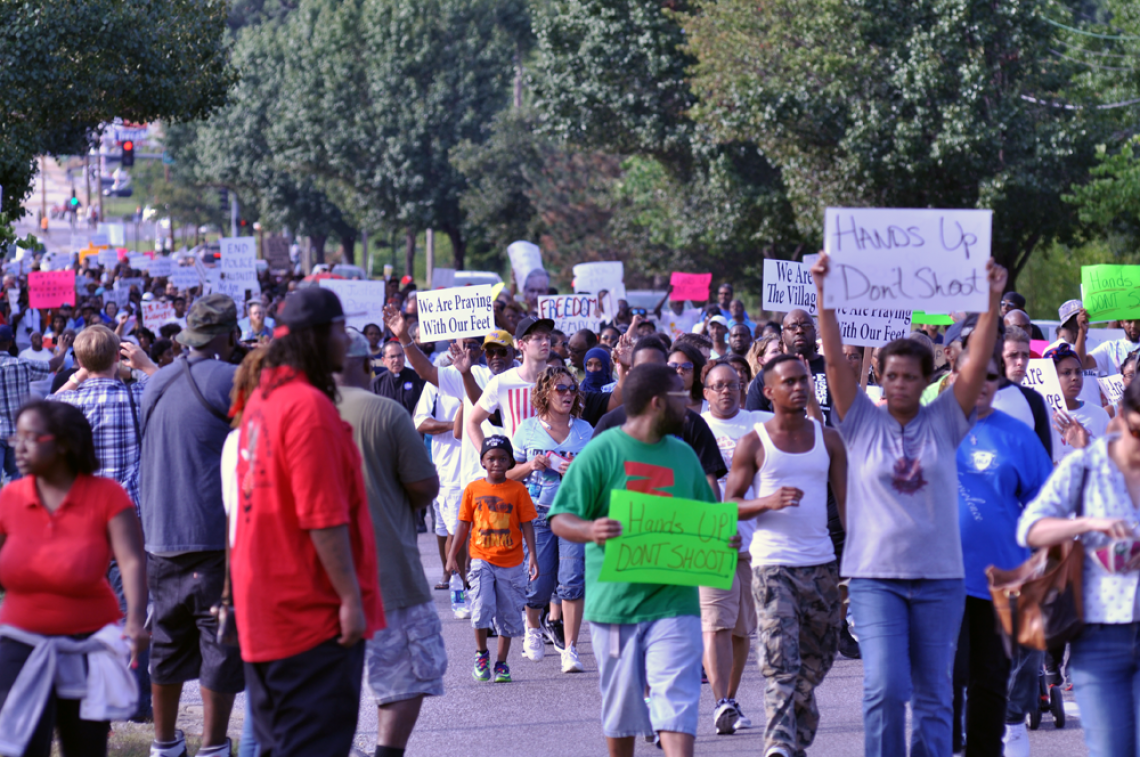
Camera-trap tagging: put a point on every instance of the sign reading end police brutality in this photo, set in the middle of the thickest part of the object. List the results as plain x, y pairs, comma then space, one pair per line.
456, 313
930, 260
664, 540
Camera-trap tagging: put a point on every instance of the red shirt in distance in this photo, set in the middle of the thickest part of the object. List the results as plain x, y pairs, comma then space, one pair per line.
298, 470
53, 566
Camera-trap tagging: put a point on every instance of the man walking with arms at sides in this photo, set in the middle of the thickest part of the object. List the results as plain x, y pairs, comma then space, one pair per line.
795, 575
304, 557
642, 634
406, 661
435, 418
184, 427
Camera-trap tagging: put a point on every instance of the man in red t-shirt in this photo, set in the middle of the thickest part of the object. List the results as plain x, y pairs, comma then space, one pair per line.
304, 557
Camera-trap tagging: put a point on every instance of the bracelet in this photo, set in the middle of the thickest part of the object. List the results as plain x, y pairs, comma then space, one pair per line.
406, 346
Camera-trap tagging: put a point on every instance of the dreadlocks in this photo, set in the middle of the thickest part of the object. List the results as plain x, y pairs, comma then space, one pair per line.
306, 351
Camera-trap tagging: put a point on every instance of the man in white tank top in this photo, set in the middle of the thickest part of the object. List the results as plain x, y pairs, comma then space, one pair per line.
787, 462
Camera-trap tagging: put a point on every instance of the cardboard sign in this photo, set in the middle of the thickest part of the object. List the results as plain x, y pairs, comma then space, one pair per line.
1113, 388
929, 260
788, 285
50, 289
156, 313
276, 253
571, 312
239, 270
681, 542
456, 313
1041, 376
184, 277
692, 286
525, 257
594, 278
161, 268
363, 301
1111, 292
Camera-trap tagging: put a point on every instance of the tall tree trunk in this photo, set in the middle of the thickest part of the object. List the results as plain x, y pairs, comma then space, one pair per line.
410, 252
348, 247
458, 248
319, 248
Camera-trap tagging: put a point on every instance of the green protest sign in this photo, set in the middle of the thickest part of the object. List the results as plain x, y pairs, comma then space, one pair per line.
919, 318
681, 542
1111, 292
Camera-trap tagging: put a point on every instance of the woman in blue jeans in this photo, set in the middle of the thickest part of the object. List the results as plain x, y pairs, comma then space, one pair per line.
1102, 483
903, 552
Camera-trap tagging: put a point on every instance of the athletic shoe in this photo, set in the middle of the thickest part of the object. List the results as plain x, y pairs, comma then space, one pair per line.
176, 748
778, 751
482, 672
1015, 742
743, 722
570, 661
555, 633
533, 646
463, 613
848, 647
725, 717
502, 672
222, 750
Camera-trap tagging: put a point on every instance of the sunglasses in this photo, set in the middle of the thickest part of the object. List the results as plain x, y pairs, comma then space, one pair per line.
993, 377
494, 351
565, 388
725, 388
686, 367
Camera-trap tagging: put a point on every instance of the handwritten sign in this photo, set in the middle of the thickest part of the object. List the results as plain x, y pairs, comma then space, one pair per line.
363, 301
184, 277
456, 313
50, 289
930, 260
681, 542
607, 276
1111, 292
525, 257
691, 286
276, 253
238, 269
161, 267
1113, 388
571, 312
1041, 376
156, 313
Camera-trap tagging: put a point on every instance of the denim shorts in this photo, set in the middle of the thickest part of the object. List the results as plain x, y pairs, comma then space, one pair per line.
407, 659
663, 654
497, 595
561, 567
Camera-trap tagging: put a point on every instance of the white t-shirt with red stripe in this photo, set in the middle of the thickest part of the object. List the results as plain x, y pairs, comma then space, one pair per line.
510, 393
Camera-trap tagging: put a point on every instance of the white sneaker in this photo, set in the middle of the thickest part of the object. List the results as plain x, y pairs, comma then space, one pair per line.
725, 717
743, 721
463, 612
1015, 741
534, 645
176, 749
570, 661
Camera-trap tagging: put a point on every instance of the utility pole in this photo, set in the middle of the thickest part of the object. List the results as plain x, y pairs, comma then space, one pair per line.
43, 187
429, 253
99, 189
233, 214
87, 178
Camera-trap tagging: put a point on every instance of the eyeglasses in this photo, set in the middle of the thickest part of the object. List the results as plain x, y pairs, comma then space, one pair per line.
16, 441
733, 387
565, 389
494, 351
684, 367
799, 326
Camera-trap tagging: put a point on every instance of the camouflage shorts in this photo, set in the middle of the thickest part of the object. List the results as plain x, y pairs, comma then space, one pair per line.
407, 659
798, 612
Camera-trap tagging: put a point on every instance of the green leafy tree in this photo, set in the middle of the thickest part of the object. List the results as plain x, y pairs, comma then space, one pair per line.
68, 67
1110, 201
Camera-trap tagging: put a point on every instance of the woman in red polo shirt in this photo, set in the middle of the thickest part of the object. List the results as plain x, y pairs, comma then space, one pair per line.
59, 526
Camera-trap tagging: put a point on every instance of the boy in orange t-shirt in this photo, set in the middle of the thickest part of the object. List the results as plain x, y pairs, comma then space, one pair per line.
501, 514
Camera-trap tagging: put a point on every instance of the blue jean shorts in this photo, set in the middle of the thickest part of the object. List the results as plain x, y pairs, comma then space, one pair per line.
407, 658
664, 655
497, 595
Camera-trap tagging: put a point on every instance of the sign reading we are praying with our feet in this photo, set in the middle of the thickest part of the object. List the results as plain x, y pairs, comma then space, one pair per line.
664, 540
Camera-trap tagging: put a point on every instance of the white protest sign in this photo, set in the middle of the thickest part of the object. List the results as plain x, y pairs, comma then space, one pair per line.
121, 297
571, 312
55, 261
442, 278
525, 257
608, 276
137, 261
455, 313
363, 301
108, 258
115, 235
14, 300
1041, 376
788, 285
78, 242
100, 239
239, 269
184, 277
161, 267
929, 260
1090, 389
1113, 388
156, 313
126, 284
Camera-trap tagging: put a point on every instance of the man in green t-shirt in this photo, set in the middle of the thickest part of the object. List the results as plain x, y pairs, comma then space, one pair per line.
642, 634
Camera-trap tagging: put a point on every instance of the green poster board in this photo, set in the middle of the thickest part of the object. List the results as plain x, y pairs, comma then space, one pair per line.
1111, 292
919, 318
681, 542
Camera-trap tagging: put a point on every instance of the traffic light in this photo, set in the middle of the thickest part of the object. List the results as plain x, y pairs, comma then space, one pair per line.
224, 201
128, 153
73, 203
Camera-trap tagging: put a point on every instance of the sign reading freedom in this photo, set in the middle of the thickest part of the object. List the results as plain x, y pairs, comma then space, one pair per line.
929, 260
681, 542
1111, 292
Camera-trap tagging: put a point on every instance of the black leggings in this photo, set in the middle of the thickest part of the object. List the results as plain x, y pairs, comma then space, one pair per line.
982, 667
77, 738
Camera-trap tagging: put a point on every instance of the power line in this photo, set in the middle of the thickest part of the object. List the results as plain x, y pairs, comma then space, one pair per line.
1067, 106
1091, 65
1059, 25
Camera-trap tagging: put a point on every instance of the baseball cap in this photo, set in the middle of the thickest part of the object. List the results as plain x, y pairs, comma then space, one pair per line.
6, 334
210, 317
1014, 299
306, 308
1069, 309
530, 323
357, 345
719, 319
497, 442
498, 336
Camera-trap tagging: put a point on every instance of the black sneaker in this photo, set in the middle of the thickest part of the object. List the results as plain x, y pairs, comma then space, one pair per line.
848, 647
555, 633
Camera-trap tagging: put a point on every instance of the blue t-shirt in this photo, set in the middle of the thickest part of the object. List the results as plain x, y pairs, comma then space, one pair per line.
532, 439
1001, 467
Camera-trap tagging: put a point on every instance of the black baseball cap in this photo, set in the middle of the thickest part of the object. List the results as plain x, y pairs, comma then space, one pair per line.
530, 323
498, 441
306, 308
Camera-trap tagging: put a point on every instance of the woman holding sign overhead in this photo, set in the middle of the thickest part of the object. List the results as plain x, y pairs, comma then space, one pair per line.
903, 552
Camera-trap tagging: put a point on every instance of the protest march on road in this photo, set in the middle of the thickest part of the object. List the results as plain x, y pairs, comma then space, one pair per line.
220, 474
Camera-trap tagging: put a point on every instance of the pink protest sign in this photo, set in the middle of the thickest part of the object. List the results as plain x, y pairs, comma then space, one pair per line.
50, 289
690, 286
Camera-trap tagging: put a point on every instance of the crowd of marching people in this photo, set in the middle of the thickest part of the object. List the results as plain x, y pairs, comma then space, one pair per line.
236, 498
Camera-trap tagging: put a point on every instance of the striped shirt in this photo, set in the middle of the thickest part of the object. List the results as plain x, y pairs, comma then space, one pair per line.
510, 393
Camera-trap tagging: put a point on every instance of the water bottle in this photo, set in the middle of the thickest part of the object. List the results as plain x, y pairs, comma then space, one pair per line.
458, 596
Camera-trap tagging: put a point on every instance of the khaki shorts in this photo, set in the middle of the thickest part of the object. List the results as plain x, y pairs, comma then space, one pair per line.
731, 609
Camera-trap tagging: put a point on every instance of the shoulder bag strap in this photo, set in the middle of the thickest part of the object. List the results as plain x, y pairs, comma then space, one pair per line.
223, 417
134, 413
